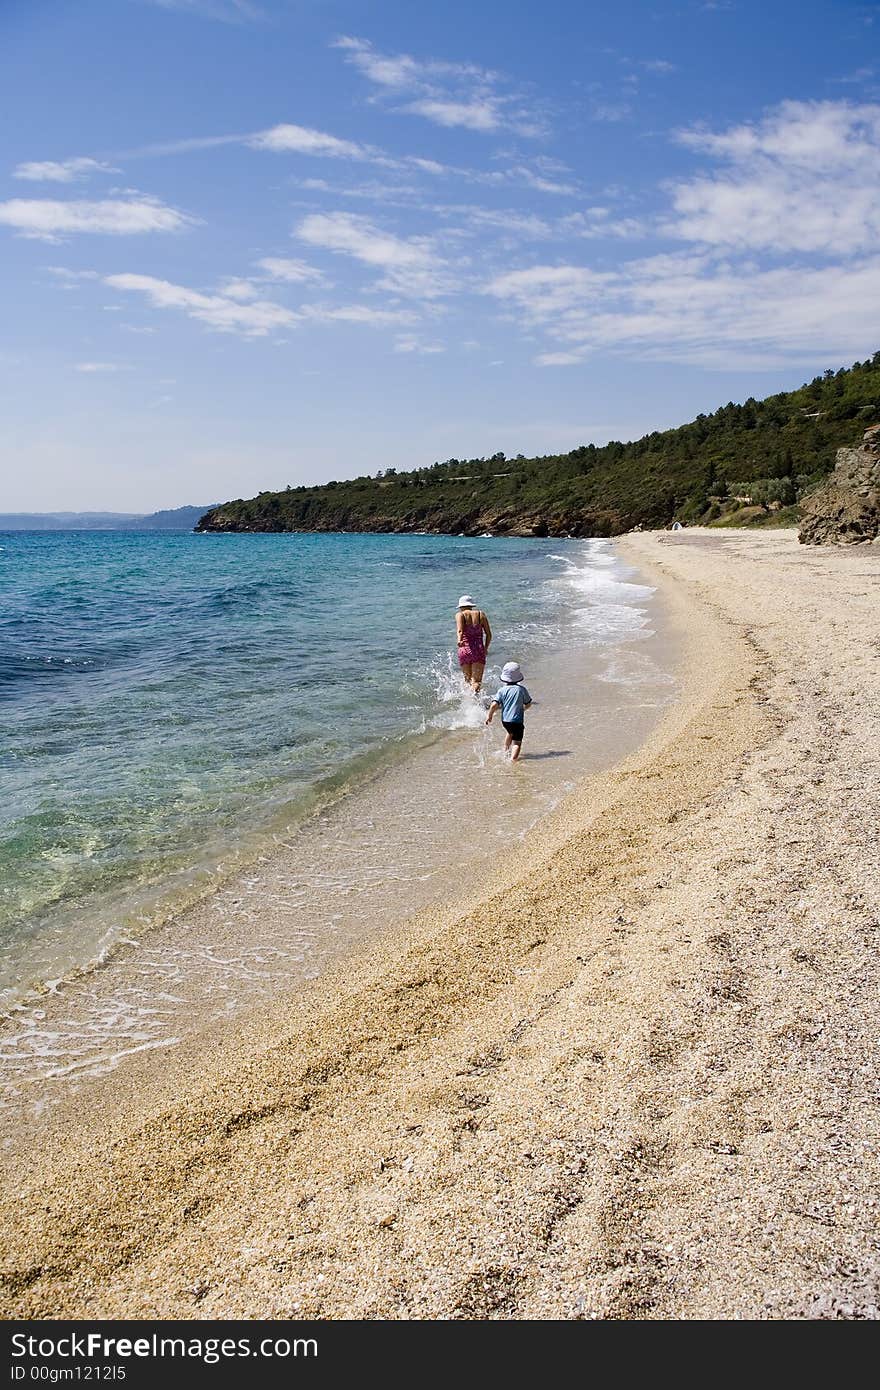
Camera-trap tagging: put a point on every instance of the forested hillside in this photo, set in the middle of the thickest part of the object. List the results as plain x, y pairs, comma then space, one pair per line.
770, 452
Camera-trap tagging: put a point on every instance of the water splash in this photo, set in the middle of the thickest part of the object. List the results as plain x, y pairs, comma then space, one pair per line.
460, 708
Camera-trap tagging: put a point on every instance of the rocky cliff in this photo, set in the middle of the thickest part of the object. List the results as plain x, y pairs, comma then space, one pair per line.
846, 507
441, 520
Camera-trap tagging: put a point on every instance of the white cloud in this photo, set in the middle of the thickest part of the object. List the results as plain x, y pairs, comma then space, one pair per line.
410, 265
300, 139
542, 173
545, 291
242, 290
559, 359
401, 72
856, 78
480, 114
696, 308
803, 182
356, 236
520, 173
253, 320
287, 138
193, 144
100, 367
513, 225
50, 220
393, 192
236, 307
597, 222
358, 313
610, 112
67, 171
805, 178
817, 135
290, 269
69, 278
449, 94
428, 166
409, 343
371, 190
398, 73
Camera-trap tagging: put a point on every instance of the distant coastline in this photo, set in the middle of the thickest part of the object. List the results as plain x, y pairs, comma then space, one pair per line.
173, 519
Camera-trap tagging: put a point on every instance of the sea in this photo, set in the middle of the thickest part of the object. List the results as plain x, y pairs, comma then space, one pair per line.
225, 759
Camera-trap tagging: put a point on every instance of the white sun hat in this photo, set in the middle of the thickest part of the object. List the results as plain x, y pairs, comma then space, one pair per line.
511, 673
466, 601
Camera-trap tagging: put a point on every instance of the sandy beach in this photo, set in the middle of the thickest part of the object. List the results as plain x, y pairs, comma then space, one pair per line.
635, 1077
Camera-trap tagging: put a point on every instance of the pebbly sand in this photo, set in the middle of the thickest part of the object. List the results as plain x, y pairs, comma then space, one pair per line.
636, 1079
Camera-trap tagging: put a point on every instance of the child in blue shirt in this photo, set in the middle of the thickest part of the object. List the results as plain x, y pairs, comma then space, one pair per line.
513, 700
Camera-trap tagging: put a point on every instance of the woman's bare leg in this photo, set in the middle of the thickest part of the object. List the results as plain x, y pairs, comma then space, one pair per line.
477, 670
466, 672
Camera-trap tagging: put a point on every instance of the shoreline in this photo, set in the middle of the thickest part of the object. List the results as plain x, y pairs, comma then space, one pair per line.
156, 769
575, 1098
375, 851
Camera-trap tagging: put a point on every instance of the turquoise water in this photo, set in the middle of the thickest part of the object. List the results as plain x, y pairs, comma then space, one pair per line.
168, 699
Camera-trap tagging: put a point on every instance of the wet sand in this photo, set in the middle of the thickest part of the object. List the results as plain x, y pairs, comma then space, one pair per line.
635, 1078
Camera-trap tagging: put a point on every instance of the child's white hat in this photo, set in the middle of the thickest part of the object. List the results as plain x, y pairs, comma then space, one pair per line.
511, 674
466, 601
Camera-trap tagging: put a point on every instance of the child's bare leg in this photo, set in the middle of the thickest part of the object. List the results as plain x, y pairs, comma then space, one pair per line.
515, 750
507, 742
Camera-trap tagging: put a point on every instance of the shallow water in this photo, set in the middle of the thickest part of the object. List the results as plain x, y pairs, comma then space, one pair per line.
288, 705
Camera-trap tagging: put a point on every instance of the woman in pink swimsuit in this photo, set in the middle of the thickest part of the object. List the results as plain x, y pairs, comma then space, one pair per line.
474, 635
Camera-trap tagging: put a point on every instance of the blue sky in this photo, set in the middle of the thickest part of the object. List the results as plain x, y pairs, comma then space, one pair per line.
248, 243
